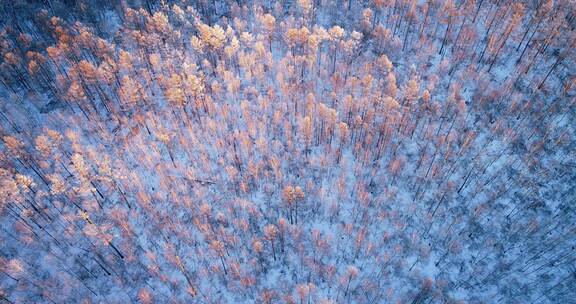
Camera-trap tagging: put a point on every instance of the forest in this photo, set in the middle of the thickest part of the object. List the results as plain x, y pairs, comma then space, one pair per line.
294, 152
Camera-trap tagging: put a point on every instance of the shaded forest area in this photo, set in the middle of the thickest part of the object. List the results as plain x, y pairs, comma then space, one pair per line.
309, 151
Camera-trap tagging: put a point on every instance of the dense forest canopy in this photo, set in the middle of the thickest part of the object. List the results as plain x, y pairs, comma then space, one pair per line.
309, 151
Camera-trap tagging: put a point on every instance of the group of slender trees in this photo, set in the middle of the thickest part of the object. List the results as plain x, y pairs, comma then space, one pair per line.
287, 152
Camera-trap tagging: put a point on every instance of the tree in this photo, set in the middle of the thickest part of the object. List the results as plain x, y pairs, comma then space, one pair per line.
218, 248
351, 273
268, 22
270, 233
450, 10
144, 296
